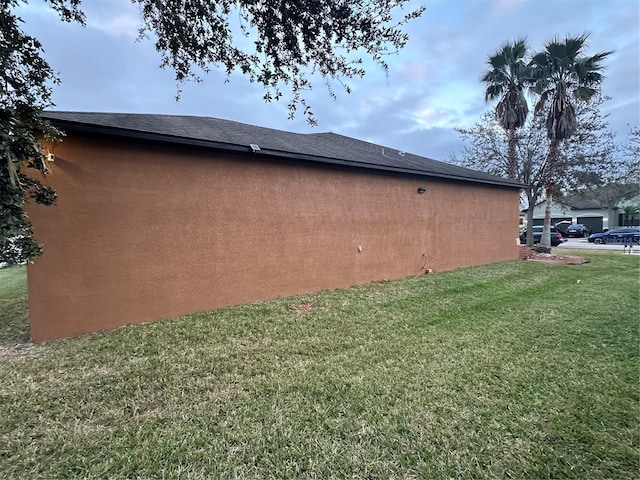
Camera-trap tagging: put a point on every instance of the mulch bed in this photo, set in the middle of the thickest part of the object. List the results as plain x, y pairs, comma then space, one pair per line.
529, 253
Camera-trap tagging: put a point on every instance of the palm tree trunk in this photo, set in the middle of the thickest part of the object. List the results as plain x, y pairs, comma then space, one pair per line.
545, 241
530, 200
512, 158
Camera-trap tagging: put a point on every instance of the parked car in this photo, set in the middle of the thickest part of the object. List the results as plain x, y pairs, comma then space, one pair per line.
578, 230
617, 235
556, 236
562, 227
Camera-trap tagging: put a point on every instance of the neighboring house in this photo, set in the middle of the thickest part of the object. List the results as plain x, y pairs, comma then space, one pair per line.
628, 212
159, 216
587, 212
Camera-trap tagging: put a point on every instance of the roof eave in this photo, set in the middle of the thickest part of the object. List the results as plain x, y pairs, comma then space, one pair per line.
68, 125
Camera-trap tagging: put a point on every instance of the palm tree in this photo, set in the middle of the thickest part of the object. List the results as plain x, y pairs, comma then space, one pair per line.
506, 80
562, 75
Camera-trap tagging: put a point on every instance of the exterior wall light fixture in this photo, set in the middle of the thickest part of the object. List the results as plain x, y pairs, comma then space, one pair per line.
421, 190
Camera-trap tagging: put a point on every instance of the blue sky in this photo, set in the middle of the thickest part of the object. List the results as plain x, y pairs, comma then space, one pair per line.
431, 87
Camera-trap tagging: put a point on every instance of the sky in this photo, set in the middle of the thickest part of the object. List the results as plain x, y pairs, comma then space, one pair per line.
432, 85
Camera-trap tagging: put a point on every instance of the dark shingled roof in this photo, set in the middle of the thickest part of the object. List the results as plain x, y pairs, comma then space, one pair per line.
582, 203
317, 148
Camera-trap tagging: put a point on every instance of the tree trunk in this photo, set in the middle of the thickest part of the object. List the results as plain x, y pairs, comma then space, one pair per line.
512, 156
530, 201
545, 241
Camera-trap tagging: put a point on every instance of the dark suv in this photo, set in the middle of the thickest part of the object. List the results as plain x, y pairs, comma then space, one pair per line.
556, 236
578, 230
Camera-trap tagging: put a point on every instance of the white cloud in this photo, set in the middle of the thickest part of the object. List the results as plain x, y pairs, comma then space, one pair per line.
115, 18
122, 25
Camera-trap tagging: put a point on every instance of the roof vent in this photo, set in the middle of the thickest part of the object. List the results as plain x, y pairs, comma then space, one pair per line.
401, 154
254, 147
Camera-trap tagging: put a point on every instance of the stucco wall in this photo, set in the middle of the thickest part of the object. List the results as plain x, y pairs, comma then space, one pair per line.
142, 232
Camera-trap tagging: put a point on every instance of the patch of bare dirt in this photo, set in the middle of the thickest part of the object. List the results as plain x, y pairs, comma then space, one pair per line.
529, 253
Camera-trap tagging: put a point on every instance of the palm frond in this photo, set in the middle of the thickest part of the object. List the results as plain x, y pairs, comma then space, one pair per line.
541, 104
495, 76
561, 74
492, 92
584, 93
512, 110
519, 48
599, 57
575, 45
561, 119
588, 68
539, 59
507, 72
555, 49
497, 61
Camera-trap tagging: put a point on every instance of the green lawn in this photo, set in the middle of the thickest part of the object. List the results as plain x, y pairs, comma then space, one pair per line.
14, 320
518, 369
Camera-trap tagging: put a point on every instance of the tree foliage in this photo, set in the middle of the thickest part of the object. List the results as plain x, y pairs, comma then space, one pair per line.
590, 157
562, 75
632, 155
23, 95
616, 176
488, 147
284, 40
506, 80
589, 163
275, 43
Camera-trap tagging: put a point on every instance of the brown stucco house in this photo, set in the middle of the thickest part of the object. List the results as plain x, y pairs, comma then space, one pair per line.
161, 215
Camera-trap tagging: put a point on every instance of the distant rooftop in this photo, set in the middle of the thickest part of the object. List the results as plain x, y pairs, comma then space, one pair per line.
226, 135
577, 203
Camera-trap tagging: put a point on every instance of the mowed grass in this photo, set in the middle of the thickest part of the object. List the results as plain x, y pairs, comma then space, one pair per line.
511, 370
14, 319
